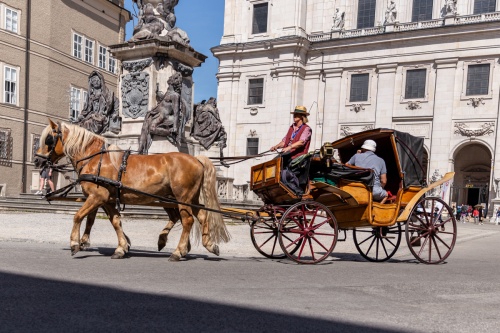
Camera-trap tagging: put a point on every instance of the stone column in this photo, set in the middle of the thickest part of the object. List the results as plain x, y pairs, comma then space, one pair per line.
385, 95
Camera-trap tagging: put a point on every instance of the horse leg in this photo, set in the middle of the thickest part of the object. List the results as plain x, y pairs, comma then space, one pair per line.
174, 216
206, 240
85, 240
123, 240
88, 207
187, 220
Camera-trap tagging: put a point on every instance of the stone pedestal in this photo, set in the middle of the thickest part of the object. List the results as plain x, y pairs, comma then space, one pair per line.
146, 67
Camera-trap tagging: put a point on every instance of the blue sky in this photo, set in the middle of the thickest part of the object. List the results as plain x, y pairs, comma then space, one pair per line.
203, 20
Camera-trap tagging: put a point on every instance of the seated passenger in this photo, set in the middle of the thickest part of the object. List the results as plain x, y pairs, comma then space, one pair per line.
367, 159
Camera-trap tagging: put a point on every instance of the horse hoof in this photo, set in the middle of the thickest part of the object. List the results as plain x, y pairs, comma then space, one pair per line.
74, 249
161, 244
216, 250
85, 246
117, 256
174, 257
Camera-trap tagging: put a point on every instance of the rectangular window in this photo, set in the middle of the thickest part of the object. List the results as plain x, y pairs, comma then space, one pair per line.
359, 87
102, 56
10, 86
75, 104
5, 141
366, 13
112, 64
252, 146
89, 51
478, 79
77, 46
259, 23
422, 10
255, 91
415, 83
11, 20
484, 6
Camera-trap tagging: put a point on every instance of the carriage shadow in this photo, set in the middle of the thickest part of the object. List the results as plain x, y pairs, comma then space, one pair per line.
94, 252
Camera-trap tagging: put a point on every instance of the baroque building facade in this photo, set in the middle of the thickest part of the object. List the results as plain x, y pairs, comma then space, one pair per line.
48, 50
427, 67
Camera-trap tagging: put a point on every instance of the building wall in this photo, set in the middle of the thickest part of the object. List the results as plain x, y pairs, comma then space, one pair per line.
303, 62
52, 71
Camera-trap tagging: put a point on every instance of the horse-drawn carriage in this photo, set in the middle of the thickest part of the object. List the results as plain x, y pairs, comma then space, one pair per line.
302, 225
337, 197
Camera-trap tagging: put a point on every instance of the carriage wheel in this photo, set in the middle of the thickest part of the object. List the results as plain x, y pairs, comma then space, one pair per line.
431, 236
308, 232
264, 234
377, 244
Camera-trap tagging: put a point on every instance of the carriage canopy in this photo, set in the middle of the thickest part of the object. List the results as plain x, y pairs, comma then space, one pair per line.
402, 152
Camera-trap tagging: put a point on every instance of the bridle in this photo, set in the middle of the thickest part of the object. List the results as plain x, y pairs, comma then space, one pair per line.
51, 142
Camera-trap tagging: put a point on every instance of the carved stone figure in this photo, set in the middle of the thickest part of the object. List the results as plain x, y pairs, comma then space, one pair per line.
167, 117
391, 13
100, 112
157, 20
497, 188
450, 7
338, 20
207, 126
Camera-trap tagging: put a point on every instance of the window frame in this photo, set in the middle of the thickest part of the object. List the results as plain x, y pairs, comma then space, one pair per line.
7, 132
73, 114
16, 84
358, 16
466, 65
18, 19
91, 53
413, 9
473, 9
100, 55
255, 139
111, 68
257, 77
75, 52
405, 70
370, 73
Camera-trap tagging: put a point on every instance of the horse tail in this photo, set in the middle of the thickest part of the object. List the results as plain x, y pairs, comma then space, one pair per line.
217, 228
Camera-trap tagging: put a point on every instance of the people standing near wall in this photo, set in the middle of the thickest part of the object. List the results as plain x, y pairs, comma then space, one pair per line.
45, 176
475, 214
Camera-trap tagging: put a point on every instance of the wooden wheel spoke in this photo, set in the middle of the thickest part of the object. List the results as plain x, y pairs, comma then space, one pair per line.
320, 244
301, 248
267, 240
442, 241
437, 248
423, 245
263, 232
311, 248
371, 236
370, 247
318, 225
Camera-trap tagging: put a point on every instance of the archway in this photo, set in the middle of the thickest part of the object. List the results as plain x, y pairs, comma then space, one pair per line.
472, 175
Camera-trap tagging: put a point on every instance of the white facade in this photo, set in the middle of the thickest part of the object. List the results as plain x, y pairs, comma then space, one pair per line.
301, 61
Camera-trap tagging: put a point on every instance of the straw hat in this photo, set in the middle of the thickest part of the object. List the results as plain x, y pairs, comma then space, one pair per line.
302, 110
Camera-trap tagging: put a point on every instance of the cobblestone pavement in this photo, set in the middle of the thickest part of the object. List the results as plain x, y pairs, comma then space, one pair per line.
56, 228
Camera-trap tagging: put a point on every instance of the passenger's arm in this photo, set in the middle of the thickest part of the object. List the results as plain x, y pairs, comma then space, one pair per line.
383, 180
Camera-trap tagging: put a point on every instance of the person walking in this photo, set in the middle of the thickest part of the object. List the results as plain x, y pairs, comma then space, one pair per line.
45, 176
497, 217
475, 214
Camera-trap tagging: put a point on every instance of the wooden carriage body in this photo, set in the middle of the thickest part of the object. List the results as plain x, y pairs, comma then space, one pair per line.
349, 199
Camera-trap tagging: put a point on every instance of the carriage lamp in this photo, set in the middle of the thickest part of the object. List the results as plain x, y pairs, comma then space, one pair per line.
326, 152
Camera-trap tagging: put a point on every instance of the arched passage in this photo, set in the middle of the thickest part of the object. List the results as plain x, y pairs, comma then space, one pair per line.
472, 175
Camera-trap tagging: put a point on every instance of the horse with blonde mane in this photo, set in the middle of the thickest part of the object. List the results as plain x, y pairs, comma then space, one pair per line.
190, 180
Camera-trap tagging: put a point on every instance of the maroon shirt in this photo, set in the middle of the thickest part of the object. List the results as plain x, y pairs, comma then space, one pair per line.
304, 134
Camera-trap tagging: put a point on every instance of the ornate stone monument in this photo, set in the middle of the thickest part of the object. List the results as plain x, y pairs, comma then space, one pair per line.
156, 85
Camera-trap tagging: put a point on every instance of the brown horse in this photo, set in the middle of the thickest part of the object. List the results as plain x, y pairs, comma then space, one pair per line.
174, 175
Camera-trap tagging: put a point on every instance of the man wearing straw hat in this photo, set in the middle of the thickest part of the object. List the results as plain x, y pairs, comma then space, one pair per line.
298, 138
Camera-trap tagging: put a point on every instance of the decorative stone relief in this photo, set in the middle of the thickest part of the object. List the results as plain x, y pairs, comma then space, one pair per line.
338, 20
390, 13
222, 188
135, 88
475, 101
434, 178
357, 107
450, 8
464, 130
346, 130
413, 105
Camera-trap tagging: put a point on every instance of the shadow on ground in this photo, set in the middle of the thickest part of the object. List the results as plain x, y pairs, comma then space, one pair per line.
41, 305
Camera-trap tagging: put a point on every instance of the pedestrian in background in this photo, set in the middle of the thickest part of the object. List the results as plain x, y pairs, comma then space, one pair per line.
45, 176
475, 214
497, 217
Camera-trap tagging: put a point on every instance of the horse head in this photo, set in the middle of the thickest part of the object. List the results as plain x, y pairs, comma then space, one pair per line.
50, 149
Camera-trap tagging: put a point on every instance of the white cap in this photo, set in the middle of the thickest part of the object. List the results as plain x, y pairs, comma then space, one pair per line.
369, 145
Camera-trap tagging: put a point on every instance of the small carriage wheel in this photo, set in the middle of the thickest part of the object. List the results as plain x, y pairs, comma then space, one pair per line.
308, 232
379, 243
264, 234
431, 234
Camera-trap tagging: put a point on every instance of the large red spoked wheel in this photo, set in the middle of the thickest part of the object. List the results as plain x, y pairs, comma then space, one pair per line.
431, 231
312, 228
379, 243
